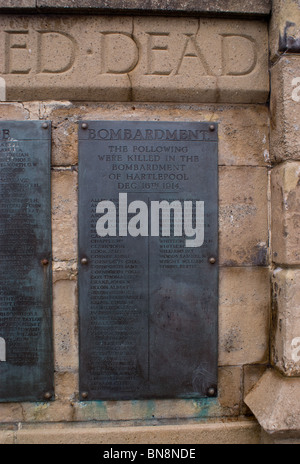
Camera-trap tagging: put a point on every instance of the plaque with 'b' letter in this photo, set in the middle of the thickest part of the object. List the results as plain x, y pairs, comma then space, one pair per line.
148, 260
26, 362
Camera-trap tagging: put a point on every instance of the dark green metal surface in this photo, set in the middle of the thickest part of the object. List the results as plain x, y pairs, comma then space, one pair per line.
26, 359
148, 305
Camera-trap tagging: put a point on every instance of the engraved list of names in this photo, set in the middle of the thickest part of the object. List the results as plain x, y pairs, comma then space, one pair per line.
148, 250
26, 359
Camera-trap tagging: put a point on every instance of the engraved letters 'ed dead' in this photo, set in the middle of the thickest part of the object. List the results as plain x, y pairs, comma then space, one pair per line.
148, 259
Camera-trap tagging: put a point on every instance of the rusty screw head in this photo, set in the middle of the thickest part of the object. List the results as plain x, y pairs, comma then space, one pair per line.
48, 396
212, 127
84, 395
45, 262
84, 261
211, 392
212, 260
45, 125
84, 126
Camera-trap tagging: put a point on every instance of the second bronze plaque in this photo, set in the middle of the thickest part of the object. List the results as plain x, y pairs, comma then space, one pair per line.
148, 260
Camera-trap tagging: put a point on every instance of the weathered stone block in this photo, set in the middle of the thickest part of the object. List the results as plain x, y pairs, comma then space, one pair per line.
11, 4
253, 7
243, 210
65, 325
285, 109
275, 401
251, 375
243, 130
66, 386
178, 67
64, 215
286, 321
13, 111
229, 390
285, 27
286, 213
133, 58
244, 316
6, 437
52, 411
11, 412
64, 270
240, 432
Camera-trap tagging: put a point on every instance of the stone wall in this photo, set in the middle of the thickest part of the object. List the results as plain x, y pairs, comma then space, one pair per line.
194, 68
279, 412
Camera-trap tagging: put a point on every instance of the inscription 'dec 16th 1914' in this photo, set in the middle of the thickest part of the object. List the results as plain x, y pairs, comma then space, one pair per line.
148, 245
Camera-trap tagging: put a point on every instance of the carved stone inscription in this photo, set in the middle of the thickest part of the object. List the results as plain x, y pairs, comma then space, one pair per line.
148, 245
133, 58
26, 367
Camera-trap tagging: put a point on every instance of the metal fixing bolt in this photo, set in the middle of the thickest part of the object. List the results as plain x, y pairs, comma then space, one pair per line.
84, 126
212, 260
84, 261
212, 127
45, 125
211, 392
84, 395
48, 396
45, 262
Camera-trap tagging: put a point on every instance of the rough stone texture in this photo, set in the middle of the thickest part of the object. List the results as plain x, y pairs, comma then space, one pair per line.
11, 412
65, 325
14, 4
6, 437
267, 439
133, 59
253, 7
159, 74
54, 411
243, 432
66, 386
251, 375
243, 216
64, 215
286, 321
286, 213
284, 27
244, 316
285, 109
13, 111
151, 412
275, 401
229, 394
243, 130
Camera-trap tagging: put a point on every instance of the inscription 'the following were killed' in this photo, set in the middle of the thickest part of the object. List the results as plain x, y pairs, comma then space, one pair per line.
148, 227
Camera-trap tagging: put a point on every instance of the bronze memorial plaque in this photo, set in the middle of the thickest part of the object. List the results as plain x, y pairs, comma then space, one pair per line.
26, 354
148, 260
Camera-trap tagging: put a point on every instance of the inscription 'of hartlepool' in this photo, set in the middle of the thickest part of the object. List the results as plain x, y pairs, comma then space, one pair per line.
148, 245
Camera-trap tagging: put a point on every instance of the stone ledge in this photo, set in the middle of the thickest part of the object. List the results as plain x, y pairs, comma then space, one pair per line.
165, 7
239, 432
275, 402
